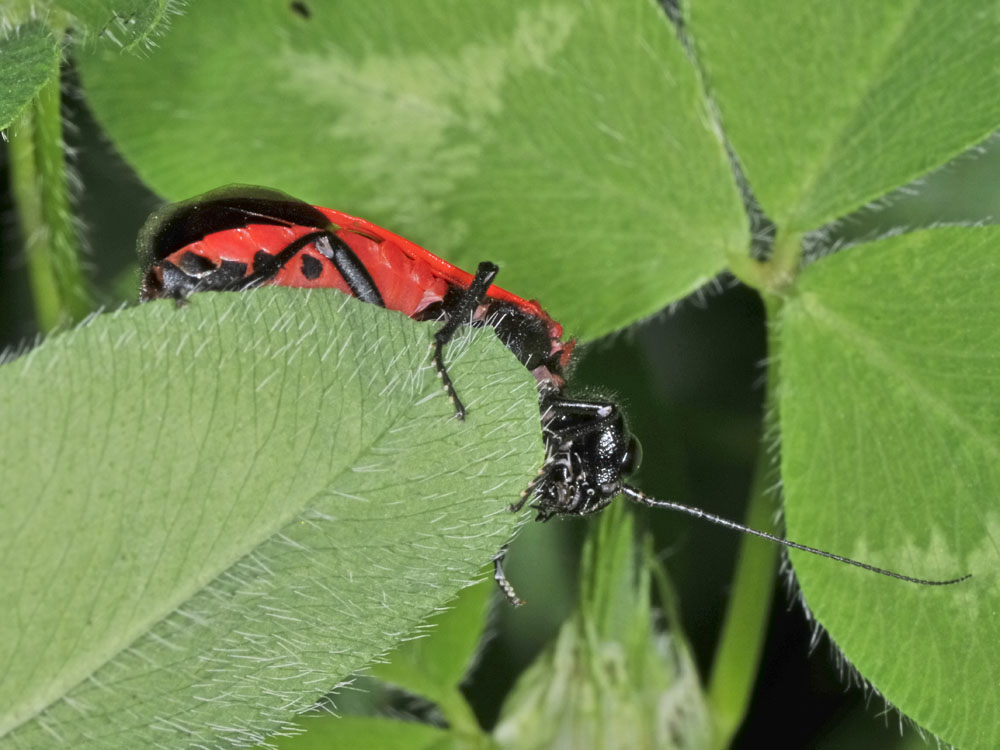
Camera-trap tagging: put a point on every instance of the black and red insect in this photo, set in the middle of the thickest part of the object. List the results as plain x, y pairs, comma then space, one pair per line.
238, 238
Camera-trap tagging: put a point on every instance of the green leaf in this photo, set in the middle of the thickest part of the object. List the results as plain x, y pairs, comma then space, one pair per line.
567, 141
891, 455
610, 680
329, 732
430, 663
29, 58
830, 105
214, 513
127, 24
434, 660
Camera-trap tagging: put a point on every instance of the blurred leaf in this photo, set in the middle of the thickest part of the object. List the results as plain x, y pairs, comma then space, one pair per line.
610, 680
891, 455
964, 191
123, 287
127, 24
433, 661
831, 105
568, 141
357, 732
212, 514
29, 58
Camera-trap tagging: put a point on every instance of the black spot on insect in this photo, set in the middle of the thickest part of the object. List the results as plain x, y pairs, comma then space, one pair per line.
311, 267
196, 265
265, 264
230, 275
300, 8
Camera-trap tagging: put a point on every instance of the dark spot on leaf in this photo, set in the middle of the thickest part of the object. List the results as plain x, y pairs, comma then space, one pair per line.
301, 8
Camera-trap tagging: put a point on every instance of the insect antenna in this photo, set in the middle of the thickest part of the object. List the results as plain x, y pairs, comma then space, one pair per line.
643, 499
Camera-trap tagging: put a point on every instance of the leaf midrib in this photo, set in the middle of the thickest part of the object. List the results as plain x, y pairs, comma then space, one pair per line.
63, 687
824, 165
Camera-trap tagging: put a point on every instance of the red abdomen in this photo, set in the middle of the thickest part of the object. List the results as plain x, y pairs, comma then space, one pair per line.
237, 238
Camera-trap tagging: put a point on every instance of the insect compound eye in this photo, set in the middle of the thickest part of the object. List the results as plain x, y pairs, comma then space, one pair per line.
633, 456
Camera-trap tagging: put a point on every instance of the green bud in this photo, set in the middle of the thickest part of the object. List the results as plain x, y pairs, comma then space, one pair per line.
612, 679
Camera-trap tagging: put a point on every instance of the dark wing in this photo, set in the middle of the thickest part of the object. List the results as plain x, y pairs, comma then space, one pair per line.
179, 224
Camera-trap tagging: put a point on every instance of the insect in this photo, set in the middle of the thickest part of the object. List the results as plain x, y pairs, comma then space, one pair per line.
240, 237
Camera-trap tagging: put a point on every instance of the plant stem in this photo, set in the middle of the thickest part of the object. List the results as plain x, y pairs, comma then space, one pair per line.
750, 271
741, 642
41, 195
459, 714
777, 273
783, 265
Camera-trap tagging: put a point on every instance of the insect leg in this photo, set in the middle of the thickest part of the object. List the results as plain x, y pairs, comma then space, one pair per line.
266, 266
350, 268
331, 247
567, 419
502, 583
577, 419
461, 313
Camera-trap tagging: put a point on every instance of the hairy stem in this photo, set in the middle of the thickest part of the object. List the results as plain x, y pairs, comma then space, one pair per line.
741, 642
41, 195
